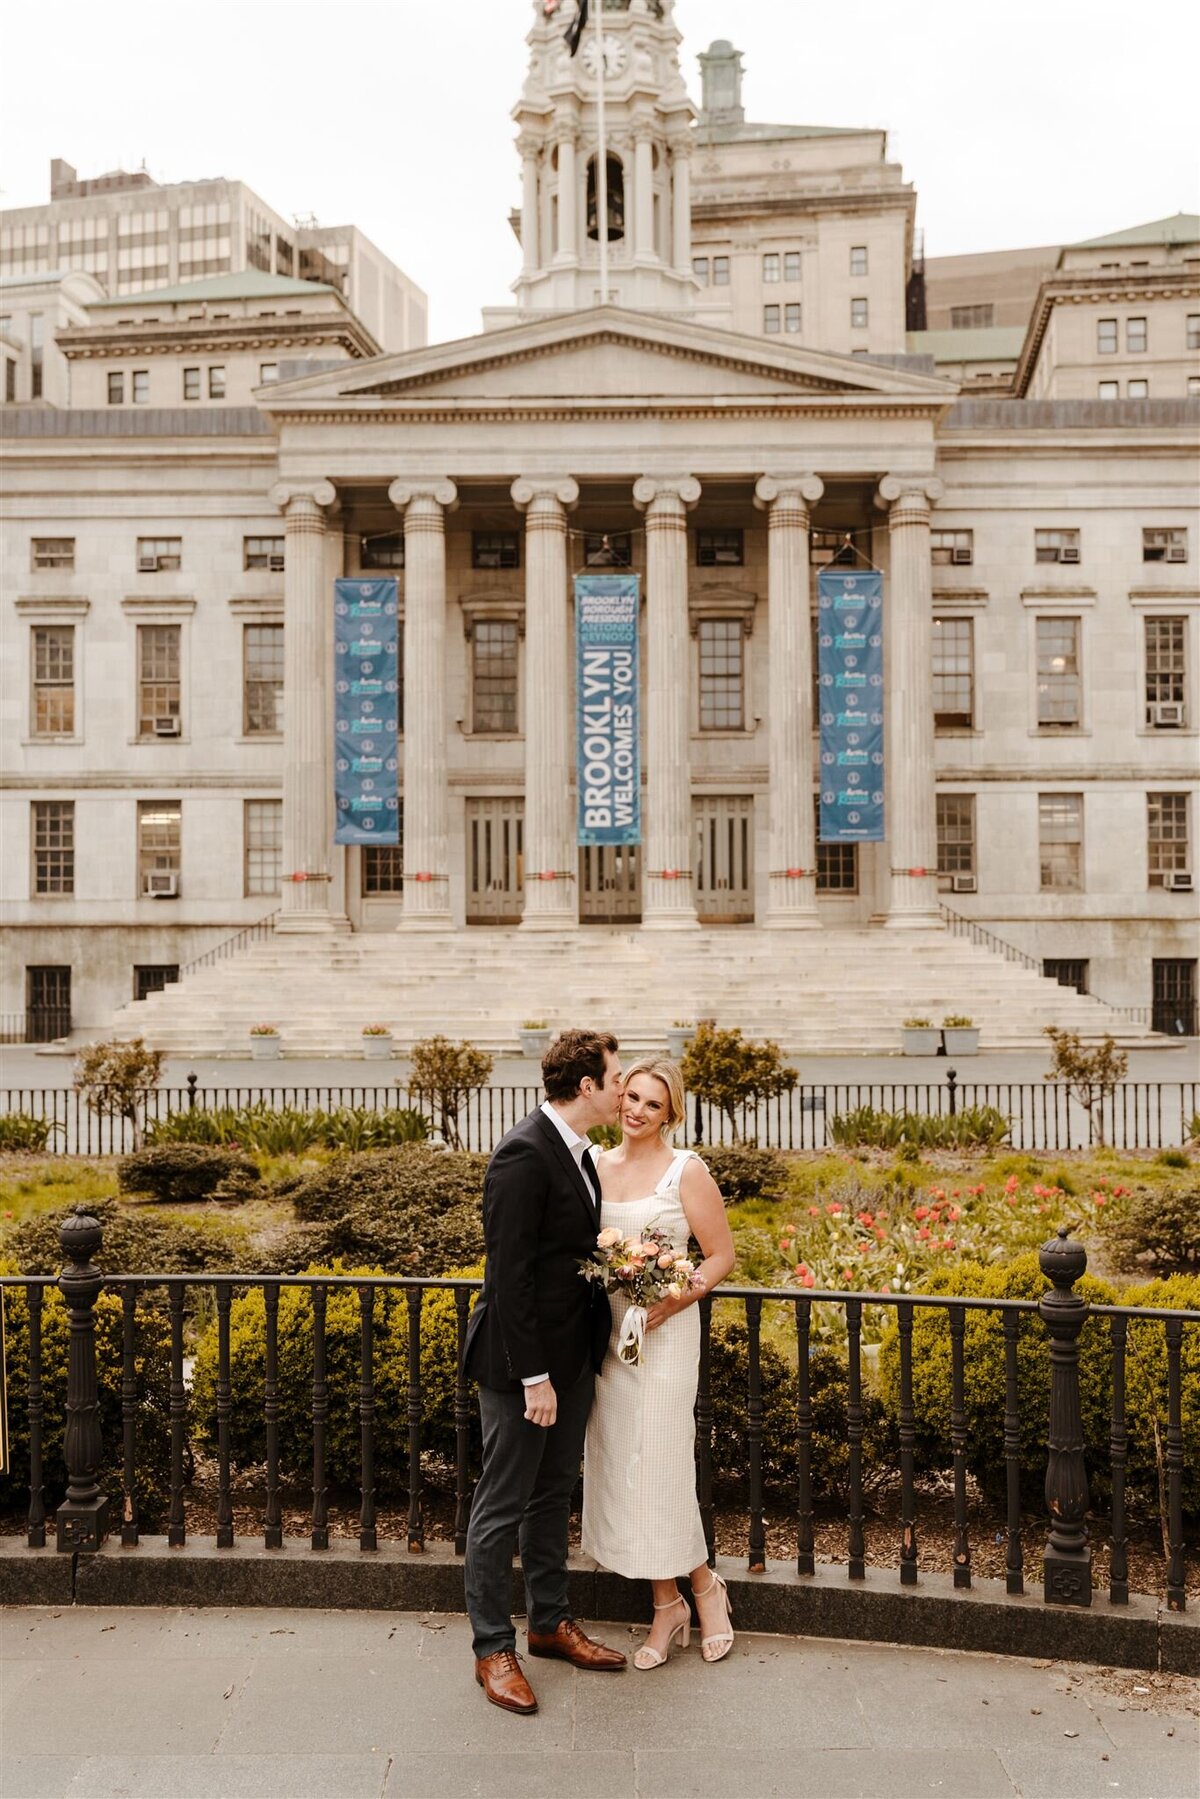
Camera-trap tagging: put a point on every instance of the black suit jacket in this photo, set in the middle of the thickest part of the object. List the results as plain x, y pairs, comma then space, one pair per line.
536, 1313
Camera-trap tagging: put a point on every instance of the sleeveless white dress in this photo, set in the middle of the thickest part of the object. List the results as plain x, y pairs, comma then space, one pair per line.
640, 1513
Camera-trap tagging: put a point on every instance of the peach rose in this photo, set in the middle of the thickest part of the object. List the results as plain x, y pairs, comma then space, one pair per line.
666, 1259
608, 1238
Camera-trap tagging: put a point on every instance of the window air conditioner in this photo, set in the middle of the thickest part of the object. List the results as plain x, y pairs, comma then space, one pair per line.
1177, 552
162, 884
1178, 880
1069, 553
960, 554
275, 563
963, 884
166, 727
147, 565
1164, 712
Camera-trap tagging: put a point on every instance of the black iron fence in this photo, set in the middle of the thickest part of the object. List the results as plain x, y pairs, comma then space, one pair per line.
1040, 1115
84, 1517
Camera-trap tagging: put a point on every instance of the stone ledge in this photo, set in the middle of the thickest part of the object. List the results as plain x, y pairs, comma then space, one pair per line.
933, 1614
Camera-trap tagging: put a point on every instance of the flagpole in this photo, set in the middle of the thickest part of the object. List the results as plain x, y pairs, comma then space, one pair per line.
601, 156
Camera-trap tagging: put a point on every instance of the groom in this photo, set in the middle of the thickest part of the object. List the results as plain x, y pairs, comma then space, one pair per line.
535, 1340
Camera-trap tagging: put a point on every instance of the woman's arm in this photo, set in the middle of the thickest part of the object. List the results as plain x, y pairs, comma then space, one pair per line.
704, 1210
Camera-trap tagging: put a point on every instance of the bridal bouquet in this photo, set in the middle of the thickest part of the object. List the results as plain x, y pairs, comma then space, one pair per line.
644, 1268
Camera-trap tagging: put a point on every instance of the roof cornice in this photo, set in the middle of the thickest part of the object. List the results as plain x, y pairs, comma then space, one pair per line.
1115, 287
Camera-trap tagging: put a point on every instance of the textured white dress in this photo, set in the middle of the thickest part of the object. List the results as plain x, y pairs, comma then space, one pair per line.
640, 1513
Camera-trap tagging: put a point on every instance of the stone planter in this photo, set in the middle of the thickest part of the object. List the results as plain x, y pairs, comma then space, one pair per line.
925, 1041
961, 1040
534, 1044
264, 1049
377, 1048
678, 1038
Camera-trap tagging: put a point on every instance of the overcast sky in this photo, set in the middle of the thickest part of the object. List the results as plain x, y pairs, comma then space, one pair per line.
1024, 122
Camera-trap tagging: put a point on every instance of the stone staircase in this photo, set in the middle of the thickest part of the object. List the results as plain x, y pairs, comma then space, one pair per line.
828, 992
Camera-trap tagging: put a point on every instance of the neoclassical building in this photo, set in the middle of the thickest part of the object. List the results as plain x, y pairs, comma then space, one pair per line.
732, 405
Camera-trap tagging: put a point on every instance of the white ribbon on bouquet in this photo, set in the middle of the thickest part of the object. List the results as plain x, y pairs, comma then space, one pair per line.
632, 1338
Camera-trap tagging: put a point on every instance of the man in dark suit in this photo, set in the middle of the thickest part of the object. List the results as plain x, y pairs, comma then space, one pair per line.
536, 1338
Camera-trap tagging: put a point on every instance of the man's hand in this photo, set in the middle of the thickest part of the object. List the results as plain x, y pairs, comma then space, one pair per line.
541, 1404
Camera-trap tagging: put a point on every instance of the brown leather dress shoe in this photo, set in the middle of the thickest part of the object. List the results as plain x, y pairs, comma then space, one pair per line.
569, 1644
503, 1683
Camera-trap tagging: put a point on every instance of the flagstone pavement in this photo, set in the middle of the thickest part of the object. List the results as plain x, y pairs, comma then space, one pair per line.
168, 1704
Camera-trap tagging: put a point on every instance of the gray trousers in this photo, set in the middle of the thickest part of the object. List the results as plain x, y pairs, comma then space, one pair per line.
524, 1492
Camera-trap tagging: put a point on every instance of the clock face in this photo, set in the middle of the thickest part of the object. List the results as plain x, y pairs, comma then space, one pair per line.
615, 56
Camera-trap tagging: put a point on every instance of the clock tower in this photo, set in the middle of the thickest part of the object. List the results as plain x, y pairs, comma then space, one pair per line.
648, 134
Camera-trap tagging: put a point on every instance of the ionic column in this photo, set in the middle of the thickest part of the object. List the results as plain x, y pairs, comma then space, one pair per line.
792, 879
529, 203
643, 181
426, 848
550, 854
307, 722
681, 207
908, 702
567, 248
668, 900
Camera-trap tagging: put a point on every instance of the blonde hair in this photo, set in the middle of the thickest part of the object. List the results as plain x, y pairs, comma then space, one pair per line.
664, 1070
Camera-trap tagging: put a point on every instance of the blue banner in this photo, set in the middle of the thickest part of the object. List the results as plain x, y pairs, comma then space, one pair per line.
850, 684
366, 711
608, 760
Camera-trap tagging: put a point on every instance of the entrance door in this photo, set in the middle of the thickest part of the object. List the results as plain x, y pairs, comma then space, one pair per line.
47, 1004
724, 836
495, 861
1174, 1008
610, 884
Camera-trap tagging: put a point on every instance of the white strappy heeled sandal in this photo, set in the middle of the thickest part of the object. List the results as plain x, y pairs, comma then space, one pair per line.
646, 1657
716, 1648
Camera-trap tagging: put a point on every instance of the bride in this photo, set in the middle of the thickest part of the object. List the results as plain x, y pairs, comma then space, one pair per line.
641, 1518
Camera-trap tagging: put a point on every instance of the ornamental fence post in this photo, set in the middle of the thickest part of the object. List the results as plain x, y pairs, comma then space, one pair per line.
83, 1515
1068, 1558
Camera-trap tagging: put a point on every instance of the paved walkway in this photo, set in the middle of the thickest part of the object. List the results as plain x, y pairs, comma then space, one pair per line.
156, 1704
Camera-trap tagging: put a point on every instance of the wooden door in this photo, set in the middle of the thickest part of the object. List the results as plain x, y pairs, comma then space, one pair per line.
495, 861
610, 884
723, 828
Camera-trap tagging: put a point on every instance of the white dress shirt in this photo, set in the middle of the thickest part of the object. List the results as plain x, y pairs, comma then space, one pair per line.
579, 1147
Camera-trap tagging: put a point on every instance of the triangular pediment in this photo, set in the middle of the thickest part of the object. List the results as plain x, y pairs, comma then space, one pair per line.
604, 354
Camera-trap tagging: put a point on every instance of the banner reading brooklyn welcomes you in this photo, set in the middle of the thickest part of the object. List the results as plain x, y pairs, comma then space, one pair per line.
608, 768
850, 671
366, 711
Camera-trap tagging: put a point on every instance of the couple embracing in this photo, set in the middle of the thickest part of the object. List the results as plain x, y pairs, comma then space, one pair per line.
553, 1391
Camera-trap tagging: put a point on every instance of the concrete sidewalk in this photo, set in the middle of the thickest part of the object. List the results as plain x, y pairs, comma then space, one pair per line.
158, 1704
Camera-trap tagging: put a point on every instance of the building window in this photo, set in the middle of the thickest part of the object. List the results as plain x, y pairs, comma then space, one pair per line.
10, 379
52, 552
1056, 546
858, 315
495, 549
1058, 686
1167, 837
53, 847
383, 867
721, 673
262, 680
791, 265
1060, 841
700, 269
1138, 390
1166, 672
770, 266
494, 678
141, 387
1193, 331
53, 713
191, 384
771, 319
972, 318
1107, 342
154, 554
160, 836
952, 547
383, 551
953, 673
1174, 995
1135, 336
608, 549
1109, 390
791, 316
720, 271
263, 836
263, 552
837, 863
152, 977
1164, 544
719, 549
116, 387
1193, 384
1068, 973
828, 547
216, 382
858, 259
36, 355
956, 837
158, 680
268, 372
47, 1004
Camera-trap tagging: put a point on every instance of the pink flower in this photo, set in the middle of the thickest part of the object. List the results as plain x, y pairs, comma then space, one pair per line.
1100, 1200
801, 1268
667, 1259
921, 1212
954, 1214
608, 1238
834, 1211
1011, 1184
923, 1234
814, 1211
789, 1230
806, 1279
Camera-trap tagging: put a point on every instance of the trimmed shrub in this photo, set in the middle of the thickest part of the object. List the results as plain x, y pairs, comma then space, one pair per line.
1160, 1226
175, 1173
413, 1210
744, 1173
21, 1131
1146, 1388
138, 1242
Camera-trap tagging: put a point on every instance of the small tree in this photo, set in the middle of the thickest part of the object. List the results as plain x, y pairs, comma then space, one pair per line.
113, 1077
445, 1073
722, 1068
1090, 1074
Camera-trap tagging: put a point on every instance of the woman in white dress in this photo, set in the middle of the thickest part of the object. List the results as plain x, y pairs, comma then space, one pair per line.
641, 1518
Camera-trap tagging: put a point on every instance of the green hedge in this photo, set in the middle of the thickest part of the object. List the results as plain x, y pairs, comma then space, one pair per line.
176, 1173
413, 1210
138, 1241
745, 1173
1159, 1226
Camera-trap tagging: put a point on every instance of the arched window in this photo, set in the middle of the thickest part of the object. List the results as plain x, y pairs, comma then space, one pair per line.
616, 199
